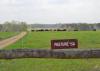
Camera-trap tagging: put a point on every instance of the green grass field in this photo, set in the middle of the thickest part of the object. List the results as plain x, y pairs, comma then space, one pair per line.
4, 35
41, 40
86, 39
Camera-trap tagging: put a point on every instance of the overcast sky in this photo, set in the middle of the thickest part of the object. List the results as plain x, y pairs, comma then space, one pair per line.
50, 11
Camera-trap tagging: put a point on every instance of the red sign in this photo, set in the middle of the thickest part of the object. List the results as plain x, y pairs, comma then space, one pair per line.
64, 43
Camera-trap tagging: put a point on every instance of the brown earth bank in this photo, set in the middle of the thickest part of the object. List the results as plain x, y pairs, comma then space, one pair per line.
11, 40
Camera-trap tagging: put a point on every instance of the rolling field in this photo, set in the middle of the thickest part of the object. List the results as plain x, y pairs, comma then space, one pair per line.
4, 35
41, 40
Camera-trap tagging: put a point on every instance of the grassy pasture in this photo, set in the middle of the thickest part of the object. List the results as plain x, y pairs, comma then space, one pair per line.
86, 39
41, 40
50, 65
4, 35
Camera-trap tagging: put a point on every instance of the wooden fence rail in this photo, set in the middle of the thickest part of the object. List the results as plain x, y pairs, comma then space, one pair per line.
47, 53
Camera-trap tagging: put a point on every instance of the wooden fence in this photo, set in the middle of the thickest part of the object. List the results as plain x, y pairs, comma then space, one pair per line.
47, 53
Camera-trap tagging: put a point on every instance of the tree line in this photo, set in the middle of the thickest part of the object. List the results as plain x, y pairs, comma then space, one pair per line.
17, 26
13, 26
66, 27
82, 26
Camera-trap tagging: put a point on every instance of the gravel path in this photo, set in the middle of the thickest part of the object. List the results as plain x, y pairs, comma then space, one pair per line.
9, 41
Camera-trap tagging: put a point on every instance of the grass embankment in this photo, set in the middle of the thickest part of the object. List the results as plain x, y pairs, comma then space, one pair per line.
42, 40
4, 35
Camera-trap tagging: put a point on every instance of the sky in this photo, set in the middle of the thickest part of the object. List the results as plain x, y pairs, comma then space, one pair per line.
50, 11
